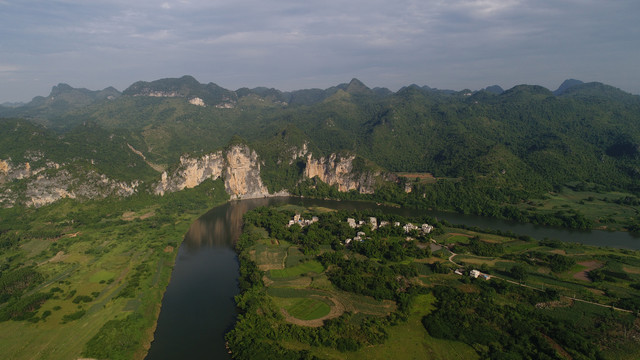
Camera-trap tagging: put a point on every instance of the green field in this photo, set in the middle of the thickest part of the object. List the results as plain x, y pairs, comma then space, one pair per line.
304, 268
410, 340
599, 207
101, 276
99, 269
308, 308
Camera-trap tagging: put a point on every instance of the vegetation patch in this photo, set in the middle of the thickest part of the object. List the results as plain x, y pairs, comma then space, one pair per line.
304, 268
588, 266
102, 276
308, 308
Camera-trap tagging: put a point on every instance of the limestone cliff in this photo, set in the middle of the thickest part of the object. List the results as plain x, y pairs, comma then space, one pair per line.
22, 184
242, 175
339, 170
40, 182
239, 166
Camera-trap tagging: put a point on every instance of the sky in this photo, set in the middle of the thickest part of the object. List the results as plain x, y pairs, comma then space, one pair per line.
296, 44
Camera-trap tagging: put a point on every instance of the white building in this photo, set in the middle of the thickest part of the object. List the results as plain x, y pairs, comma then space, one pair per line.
426, 228
374, 223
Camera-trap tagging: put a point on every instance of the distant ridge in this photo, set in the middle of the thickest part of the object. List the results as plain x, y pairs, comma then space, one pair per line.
64, 97
566, 85
494, 89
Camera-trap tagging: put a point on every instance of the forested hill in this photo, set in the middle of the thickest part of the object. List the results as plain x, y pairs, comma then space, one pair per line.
526, 138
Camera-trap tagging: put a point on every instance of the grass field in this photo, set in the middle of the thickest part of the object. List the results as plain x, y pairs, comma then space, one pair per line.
598, 207
307, 308
407, 341
101, 276
304, 268
93, 260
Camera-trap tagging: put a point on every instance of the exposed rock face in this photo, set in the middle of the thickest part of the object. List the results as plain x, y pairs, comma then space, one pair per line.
196, 101
9, 171
53, 182
242, 174
338, 170
239, 167
43, 190
152, 93
191, 172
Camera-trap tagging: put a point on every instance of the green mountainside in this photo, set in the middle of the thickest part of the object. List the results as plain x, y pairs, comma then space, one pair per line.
513, 145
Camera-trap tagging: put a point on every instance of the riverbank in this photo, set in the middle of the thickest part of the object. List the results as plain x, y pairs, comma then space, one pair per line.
547, 265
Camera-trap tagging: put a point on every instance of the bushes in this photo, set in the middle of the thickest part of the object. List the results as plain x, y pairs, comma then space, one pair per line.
117, 339
499, 331
82, 298
13, 283
23, 308
73, 316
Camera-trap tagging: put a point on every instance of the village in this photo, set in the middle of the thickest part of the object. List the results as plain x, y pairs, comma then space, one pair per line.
424, 229
374, 224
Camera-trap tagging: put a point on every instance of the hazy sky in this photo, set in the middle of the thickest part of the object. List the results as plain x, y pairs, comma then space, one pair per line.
295, 44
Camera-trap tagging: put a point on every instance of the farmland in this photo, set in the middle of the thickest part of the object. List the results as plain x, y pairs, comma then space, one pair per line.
394, 294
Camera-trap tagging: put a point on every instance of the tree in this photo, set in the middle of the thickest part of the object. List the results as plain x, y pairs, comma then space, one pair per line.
518, 272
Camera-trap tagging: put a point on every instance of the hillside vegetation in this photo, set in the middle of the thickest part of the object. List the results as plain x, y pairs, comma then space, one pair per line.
496, 150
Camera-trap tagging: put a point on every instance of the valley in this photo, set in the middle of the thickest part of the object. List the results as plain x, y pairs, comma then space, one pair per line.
98, 188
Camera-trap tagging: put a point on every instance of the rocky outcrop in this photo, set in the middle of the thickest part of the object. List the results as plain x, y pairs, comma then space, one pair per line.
197, 101
43, 190
239, 167
242, 174
9, 171
338, 170
51, 182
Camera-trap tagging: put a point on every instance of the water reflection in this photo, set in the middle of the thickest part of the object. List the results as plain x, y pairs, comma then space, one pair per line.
198, 306
222, 225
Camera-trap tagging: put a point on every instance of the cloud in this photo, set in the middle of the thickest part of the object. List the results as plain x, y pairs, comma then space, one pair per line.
5, 68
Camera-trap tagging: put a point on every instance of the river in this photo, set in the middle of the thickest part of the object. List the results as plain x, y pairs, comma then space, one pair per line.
198, 306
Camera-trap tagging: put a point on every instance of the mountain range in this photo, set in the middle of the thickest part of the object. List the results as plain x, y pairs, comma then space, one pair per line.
521, 142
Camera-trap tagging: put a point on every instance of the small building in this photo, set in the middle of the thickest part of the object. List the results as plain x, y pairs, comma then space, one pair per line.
459, 272
383, 223
298, 219
409, 227
474, 273
351, 222
426, 228
485, 276
374, 223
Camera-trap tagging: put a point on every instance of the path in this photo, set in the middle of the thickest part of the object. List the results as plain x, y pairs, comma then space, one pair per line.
538, 289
